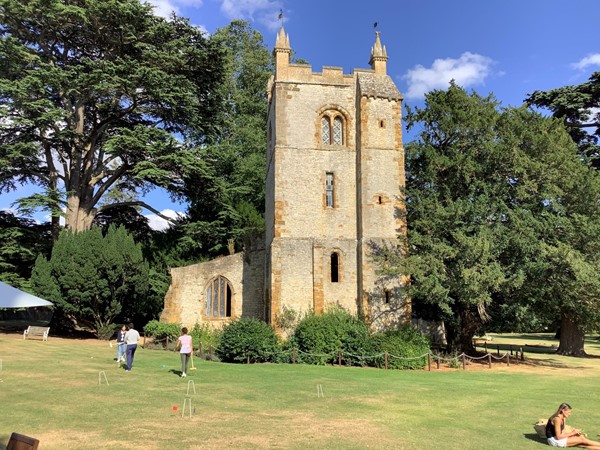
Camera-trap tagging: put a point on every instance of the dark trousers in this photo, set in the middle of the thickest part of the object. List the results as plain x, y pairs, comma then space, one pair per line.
131, 348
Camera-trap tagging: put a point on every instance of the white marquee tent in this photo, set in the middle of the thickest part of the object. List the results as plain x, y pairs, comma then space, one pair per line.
11, 297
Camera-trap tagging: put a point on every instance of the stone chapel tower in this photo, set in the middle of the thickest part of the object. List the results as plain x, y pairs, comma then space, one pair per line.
334, 190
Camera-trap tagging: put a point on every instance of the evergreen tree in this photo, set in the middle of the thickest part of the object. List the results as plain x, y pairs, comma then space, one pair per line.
579, 107
93, 279
22, 240
227, 202
92, 94
495, 198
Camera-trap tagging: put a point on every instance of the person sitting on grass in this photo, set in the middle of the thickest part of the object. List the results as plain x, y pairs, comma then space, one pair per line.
558, 437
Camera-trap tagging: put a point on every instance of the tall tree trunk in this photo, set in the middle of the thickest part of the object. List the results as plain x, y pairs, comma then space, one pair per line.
460, 331
470, 325
572, 338
78, 218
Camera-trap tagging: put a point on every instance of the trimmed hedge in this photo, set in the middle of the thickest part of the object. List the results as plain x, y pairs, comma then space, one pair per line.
247, 339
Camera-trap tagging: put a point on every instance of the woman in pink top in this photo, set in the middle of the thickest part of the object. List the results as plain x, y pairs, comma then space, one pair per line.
185, 343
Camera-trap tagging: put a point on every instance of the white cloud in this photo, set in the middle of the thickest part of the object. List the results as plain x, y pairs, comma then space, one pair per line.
589, 60
164, 8
265, 12
158, 223
468, 70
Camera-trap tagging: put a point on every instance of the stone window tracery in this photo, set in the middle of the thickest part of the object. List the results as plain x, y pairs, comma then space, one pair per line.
218, 298
333, 130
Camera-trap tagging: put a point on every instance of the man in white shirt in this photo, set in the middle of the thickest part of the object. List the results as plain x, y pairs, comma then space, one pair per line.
131, 339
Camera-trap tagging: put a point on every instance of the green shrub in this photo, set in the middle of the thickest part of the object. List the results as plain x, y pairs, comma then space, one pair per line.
320, 338
204, 337
106, 332
160, 331
405, 342
245, 339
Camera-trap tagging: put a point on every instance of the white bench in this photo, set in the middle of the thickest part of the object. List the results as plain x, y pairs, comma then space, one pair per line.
37, 331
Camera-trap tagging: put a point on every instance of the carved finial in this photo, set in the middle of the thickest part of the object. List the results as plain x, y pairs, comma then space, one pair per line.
283, 41
378, 56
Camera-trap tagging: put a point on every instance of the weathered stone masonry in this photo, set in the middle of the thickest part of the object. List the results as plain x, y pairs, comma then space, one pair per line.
334, 190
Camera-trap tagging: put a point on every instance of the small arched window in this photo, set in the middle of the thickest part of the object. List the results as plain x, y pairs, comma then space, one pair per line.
335, 267
218, 298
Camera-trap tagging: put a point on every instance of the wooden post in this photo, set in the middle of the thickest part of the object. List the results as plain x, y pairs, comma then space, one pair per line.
522, 355
429, 361
167, 347
464, 358
339, 358
247, 359
485, 346
510, 348
508, 360
293, 356
386, 359
498, 350
489, 360
437, 360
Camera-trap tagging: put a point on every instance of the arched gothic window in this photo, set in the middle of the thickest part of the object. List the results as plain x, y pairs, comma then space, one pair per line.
218, 298
332, 130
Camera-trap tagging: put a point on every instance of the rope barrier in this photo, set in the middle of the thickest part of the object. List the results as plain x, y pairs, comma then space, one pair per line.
340, 355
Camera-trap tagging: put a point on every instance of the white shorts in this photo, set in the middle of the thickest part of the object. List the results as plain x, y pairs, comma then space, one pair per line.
553, 442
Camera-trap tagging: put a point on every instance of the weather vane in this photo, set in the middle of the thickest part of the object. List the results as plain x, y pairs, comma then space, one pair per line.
280, 16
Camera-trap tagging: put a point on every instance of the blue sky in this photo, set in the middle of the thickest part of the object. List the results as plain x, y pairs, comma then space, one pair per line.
509, 48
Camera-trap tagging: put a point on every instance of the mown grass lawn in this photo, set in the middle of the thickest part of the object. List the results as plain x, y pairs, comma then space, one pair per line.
50, 390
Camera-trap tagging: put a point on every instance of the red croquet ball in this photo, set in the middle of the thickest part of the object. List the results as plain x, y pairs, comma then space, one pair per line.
174, 408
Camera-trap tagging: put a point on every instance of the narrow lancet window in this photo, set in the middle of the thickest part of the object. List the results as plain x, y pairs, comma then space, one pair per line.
329, 189
325, 131
338, 131
335, 267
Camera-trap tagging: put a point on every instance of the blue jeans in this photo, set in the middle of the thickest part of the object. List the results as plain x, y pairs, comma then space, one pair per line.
120, 351
131, 348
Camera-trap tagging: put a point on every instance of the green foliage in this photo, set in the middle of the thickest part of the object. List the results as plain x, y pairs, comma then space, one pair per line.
319, 338
161, 330
102, 87
404, 342
22, 240
287, 320
107, 332
205, 337
496, 199
93, 279
245, 339
578, 107
227, 201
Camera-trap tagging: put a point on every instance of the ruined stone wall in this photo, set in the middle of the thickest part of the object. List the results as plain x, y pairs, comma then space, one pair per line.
185, 301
